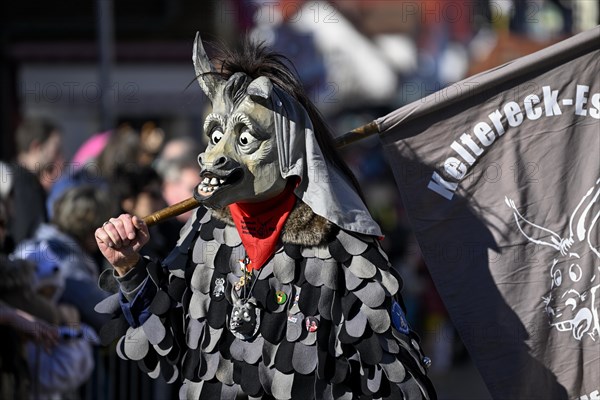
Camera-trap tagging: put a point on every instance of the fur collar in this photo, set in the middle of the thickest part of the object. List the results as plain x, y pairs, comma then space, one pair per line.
303, 227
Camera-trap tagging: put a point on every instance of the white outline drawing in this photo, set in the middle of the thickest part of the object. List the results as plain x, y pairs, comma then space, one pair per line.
571, 304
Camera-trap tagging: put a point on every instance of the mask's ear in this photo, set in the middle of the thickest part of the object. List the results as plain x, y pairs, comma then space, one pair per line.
209, 80
260, 87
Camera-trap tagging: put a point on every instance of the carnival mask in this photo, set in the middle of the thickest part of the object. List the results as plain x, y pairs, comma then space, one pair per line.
240, 163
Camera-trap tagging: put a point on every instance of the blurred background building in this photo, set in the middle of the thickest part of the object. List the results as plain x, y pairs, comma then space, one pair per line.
100, 65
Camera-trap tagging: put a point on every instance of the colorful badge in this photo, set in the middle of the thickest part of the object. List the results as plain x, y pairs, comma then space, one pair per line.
312, 324
219, 289
295, 308
399, 319
240, 284
280, 297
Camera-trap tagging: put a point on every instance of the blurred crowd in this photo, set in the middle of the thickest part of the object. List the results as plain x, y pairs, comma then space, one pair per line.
354, 69
49, 258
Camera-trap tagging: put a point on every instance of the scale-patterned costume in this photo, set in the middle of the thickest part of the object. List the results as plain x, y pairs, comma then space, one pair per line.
322, 319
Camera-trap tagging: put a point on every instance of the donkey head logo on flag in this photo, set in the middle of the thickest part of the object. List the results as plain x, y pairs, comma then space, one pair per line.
572, 301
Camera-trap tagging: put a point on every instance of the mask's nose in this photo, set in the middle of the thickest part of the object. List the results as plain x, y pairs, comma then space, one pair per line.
220, 162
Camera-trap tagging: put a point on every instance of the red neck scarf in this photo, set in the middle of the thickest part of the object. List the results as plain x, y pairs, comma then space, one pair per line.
260, 224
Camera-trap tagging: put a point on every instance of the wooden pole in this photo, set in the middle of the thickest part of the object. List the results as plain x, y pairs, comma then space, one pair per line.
189, 204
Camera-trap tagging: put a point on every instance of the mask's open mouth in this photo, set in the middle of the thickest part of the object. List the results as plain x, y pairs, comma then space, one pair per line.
213, 182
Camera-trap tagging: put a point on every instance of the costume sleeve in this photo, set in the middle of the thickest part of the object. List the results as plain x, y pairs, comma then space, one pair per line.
147, 322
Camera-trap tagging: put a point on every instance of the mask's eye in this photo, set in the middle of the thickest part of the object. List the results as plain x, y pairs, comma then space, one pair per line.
246, 137
216, 135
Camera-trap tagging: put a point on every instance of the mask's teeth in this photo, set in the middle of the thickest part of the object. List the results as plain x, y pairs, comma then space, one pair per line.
206, 181
221, 181
214, 181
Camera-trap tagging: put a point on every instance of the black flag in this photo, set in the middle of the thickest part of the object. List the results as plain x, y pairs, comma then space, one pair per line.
500, 176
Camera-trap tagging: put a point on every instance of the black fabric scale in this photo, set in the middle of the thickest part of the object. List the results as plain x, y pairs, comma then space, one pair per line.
347, 286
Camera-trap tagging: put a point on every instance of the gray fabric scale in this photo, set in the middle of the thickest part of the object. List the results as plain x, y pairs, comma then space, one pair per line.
281, 387
199, 305
218, 235
253, 350
284, 267
393, 369
362, 268
322, 252
415, 344
173, 377
135, 344
312, 271
351, 244
356, 326
212, 363
266, 271
249, 352
205, 252
340, 392
383, 254
154, 329
325, 302
231, 236
192, 390
178, 272
411, 390
109, 305
155, 373
310, 339
269, 351
167, 350
206, 217
389, 282
372, 294
304, 359
388, 344
308, 252
329, 273
336, 310
265, 375
119, 348
415, 355
194, 332
338, 351
374, 378
294, 329
379, 320
224, 371
229, 392
352, 281
201, 278
215, 336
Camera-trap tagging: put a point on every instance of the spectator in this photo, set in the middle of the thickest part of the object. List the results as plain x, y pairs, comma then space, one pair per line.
179, 169
70, 240
39, 149
59, 372
139, 193
121, 151
6, 187
24, 315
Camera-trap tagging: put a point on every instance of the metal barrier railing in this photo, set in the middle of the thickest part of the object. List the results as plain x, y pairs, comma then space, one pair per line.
117, 379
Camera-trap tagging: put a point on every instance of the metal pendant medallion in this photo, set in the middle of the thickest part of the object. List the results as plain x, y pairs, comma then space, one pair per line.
244, 320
